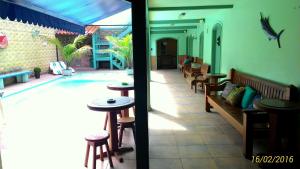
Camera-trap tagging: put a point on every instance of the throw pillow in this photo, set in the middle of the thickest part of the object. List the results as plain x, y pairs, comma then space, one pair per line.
256, 97
248, 97
235, 96
228, 88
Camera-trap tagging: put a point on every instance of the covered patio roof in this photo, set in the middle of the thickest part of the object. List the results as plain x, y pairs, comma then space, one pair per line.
68, 15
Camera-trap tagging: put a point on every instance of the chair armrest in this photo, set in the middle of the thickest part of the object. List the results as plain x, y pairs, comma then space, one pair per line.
213, 87
224, 81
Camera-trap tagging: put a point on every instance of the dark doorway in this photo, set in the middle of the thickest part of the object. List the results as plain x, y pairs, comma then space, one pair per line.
166, 53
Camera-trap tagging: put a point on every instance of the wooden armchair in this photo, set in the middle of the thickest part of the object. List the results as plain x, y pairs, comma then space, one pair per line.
189, 71
200, 78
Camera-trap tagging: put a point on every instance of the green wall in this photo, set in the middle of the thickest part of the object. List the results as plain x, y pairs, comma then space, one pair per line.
245, 46
196, 40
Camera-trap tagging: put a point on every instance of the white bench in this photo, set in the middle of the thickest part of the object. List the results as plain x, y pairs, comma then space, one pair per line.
22, 77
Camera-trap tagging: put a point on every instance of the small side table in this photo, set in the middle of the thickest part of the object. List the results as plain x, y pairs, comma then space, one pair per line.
102, 105
279, 112
214, 77
123, 88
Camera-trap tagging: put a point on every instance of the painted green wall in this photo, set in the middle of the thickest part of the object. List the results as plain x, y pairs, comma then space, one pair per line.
180, 39
196, 40
246, 47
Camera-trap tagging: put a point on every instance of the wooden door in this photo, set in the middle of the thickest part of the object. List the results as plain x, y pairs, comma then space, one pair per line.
166, 53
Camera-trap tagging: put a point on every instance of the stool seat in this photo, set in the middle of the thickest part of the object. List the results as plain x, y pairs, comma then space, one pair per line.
102, 136
97, 140
125, 120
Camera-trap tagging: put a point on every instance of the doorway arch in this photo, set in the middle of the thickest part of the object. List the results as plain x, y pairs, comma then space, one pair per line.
216, 48
166, 53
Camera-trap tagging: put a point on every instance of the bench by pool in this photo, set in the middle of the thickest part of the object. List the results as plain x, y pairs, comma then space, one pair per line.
22, 77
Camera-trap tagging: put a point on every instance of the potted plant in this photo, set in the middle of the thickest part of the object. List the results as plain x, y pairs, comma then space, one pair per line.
122, 48
37, 72
71, 51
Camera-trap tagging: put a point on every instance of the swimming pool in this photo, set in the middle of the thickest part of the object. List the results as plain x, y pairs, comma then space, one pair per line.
50, 121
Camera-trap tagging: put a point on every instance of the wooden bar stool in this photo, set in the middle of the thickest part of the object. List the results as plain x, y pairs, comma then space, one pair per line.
97, 140
126, 122
120, 116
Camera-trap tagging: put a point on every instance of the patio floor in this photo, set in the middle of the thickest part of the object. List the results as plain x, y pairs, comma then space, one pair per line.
182, 135
17, 87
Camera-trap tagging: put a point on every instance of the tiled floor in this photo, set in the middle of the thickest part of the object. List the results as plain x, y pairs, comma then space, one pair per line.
182, 134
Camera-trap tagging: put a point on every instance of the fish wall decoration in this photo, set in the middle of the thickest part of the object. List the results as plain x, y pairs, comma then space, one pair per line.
265, 23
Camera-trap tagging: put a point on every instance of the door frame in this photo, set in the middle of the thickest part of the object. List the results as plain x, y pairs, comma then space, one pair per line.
216, 60
177, 50
201, 44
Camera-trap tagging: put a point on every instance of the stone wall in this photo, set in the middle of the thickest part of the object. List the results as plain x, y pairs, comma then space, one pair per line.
25, 50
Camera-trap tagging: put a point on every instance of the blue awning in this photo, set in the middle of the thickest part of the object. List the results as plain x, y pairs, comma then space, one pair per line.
70, 15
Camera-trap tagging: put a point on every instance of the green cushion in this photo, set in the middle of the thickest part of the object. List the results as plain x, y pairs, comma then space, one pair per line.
235, 96
248, 97
187, 61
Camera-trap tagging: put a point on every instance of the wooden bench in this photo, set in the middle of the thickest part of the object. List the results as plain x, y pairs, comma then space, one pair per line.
200, 78
241, 119
22, 77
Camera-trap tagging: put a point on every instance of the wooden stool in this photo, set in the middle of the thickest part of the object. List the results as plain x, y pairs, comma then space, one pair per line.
120, 116
96, 141
126, 122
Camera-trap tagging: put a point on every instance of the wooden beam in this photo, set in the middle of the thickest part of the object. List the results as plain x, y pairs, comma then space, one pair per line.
173, 28
167, 32
138, 8
190, 7
176, 21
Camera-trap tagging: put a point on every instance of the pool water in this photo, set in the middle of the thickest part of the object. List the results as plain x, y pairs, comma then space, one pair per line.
47, 124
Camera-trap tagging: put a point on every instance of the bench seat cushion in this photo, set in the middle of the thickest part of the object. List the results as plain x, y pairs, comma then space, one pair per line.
235, 112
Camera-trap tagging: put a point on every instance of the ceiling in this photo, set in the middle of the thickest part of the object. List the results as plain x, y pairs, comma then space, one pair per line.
82, 12
178, 13
180, 3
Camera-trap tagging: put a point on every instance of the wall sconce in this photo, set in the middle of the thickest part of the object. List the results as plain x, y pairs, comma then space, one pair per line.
181, 15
